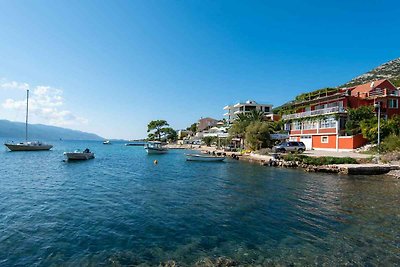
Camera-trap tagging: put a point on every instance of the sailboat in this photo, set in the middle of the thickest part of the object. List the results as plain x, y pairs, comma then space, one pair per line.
27, 145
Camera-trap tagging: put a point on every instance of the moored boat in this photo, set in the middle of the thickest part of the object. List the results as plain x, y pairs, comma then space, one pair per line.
27, 145
107, 142
79, 155
136, 143
203, 157
155, 148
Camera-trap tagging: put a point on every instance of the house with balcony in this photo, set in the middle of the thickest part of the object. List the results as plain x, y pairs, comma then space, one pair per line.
319, 120
232, 111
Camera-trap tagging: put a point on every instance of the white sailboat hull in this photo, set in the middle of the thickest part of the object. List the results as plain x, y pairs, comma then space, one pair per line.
28, 147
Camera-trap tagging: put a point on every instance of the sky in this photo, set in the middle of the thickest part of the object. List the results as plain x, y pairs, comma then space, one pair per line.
109, 67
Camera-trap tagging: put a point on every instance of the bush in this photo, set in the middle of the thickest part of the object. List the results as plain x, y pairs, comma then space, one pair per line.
390, 143
319, 160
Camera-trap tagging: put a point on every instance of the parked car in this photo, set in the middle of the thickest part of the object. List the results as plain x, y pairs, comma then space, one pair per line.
229, 148
290, 146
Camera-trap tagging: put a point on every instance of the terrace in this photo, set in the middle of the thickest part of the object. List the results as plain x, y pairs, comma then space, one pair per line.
316, 112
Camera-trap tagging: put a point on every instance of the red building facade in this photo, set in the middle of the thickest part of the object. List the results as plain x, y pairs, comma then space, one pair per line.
320, 121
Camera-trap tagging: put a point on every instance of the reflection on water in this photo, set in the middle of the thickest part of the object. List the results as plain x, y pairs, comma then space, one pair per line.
122, 209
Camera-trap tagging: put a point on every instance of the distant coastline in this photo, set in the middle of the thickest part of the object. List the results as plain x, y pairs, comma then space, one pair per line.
16, 131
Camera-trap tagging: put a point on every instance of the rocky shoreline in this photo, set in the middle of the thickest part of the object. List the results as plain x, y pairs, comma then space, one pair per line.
272, 161
352, 169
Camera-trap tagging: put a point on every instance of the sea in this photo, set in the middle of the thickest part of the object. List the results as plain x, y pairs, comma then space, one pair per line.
121, 209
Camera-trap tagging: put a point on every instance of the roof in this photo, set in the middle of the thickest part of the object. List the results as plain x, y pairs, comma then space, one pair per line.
207, 118
366, 87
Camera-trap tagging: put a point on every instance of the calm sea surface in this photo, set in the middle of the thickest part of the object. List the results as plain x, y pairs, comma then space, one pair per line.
120, 208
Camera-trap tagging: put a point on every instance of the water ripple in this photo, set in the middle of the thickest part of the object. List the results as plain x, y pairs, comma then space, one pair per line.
121, 209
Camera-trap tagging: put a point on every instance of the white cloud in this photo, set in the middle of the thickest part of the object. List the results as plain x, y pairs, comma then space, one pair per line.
46, 103
14, 85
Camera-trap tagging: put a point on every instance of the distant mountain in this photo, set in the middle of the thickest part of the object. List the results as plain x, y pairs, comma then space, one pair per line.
16, 131
389, 70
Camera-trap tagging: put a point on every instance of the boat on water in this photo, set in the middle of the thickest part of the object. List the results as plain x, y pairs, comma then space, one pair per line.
136, 143
155, 148
79, 155
107, 142
204, 157
27, 145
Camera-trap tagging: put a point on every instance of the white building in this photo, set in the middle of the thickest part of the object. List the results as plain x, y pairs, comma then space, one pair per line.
233, 110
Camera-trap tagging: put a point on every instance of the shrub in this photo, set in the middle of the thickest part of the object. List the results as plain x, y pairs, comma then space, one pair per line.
319, 160
390, 143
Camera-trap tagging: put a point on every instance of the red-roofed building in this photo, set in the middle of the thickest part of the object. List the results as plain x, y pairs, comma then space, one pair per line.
320, 121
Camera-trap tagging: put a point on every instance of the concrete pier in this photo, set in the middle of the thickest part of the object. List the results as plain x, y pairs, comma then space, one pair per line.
366, 169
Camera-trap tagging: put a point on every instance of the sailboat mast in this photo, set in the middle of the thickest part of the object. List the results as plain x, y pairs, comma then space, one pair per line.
26, 119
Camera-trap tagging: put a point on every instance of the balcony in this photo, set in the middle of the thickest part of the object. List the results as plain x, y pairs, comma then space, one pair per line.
316, 112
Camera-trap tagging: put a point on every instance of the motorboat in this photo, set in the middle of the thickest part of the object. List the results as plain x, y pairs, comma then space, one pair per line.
204, 157
136, 143
107, 142
27, 145
155, 148
79, 155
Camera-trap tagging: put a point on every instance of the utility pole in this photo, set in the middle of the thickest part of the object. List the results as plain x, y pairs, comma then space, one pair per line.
378, 105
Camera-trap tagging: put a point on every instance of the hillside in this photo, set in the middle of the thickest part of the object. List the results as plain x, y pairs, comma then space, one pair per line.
16, 130
389, 70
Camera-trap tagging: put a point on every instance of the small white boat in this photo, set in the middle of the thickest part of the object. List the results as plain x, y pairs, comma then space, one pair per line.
155, 148
107, 142
79, 155
203, 157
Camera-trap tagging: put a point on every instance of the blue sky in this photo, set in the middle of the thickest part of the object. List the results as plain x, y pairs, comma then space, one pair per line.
109, 67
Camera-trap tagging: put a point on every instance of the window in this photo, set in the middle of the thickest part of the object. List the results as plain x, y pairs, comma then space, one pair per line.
310, 125
393, 103
297, 125
324, 139
249, 108
328, 123
266, 109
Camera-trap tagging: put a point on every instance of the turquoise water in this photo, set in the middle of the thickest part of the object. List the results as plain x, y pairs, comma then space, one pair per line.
120, 208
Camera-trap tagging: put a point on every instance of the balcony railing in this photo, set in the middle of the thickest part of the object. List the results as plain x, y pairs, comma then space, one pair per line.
313, 113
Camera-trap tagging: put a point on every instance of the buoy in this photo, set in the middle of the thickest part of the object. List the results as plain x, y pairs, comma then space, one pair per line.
155, 162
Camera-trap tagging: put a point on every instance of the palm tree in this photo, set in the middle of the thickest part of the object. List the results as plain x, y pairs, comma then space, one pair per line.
255, 115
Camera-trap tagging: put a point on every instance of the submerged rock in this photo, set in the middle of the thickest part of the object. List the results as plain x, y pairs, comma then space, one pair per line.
218, 262
169, 263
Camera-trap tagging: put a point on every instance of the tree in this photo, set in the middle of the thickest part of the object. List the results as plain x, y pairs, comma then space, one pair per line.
255, 115
369, 128
238, 129
258, 135
155, 128
192, 128
208, 140
169, 134
356, 116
